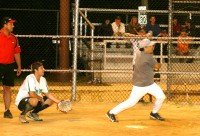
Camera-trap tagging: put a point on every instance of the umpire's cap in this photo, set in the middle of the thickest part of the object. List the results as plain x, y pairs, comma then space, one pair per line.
146, 42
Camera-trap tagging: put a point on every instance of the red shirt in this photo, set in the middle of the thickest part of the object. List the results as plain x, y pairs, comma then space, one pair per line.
9, 46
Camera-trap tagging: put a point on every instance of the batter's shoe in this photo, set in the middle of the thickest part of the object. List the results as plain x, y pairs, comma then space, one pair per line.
156, 116
23, 119
111, 117
34, 116
8, 114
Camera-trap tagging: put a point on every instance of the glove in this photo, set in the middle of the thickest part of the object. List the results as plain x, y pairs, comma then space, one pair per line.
64, 106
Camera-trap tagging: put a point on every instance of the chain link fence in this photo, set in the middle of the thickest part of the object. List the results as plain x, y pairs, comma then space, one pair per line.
91, 63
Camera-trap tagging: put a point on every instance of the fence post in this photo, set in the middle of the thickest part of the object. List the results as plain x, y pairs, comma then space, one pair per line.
169, 68
75, 52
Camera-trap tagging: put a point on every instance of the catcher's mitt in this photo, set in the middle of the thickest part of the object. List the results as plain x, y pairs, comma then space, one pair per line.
64, 106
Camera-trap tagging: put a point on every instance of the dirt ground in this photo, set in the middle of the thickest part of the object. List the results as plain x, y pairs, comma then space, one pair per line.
88, 119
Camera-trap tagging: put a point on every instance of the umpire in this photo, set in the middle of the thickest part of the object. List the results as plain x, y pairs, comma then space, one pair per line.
9, 53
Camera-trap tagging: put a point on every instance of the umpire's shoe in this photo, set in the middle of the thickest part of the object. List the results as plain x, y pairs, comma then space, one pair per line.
34, 116
156, 116
8, 114
111, 117
23, 119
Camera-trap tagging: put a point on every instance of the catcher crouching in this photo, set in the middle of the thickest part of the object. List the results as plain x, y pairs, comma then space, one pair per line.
33, 95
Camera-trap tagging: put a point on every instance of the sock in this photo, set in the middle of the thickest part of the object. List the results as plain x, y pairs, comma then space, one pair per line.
40, 108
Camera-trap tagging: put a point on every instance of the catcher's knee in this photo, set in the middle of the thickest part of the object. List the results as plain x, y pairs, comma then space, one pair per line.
33, 101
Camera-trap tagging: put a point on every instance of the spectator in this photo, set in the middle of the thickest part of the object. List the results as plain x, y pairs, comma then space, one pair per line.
141, 32
152, 26
106, 30
133, 26
118, 28
176, 27
190, 28
191, 31
183, 46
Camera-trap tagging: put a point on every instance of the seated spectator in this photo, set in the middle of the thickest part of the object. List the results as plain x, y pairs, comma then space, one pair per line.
183, 46
189, 28
191, 31
106, 30
133, 26
141, 32
118, 28
152, 26
176, 27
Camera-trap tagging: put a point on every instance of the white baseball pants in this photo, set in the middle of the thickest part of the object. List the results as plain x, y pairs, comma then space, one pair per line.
137, 93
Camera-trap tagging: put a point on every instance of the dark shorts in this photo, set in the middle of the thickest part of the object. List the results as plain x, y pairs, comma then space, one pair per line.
7, 74
24, 101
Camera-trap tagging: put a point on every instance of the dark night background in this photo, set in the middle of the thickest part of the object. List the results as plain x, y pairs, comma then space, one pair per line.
39, 17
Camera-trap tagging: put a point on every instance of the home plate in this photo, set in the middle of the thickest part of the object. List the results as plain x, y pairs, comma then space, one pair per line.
137, 127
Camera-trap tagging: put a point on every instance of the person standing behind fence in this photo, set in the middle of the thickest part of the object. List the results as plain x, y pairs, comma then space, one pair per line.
152, 26
143, 82
9, 52
118, 28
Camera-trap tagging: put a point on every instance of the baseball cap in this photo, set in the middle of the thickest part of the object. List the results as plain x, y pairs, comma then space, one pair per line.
6, 20
145, 43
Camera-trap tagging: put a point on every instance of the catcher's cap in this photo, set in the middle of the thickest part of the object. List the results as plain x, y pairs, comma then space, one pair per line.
6, 20
145, 43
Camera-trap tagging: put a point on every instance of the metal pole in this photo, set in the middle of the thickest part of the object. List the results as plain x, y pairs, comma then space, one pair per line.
81, 33
169, 68
75, 52
161, 53
92, 53
57, 44
85, 23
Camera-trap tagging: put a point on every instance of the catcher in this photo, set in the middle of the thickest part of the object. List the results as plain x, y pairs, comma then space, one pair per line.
33, 95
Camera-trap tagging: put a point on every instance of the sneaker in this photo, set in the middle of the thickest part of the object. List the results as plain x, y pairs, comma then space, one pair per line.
8, 114
111, 117
23, 119
156, 116
34, 116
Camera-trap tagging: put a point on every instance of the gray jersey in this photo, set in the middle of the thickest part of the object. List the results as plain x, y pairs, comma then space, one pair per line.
143, 71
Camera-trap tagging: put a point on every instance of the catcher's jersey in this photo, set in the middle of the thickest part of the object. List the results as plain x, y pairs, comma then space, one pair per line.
31, 84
